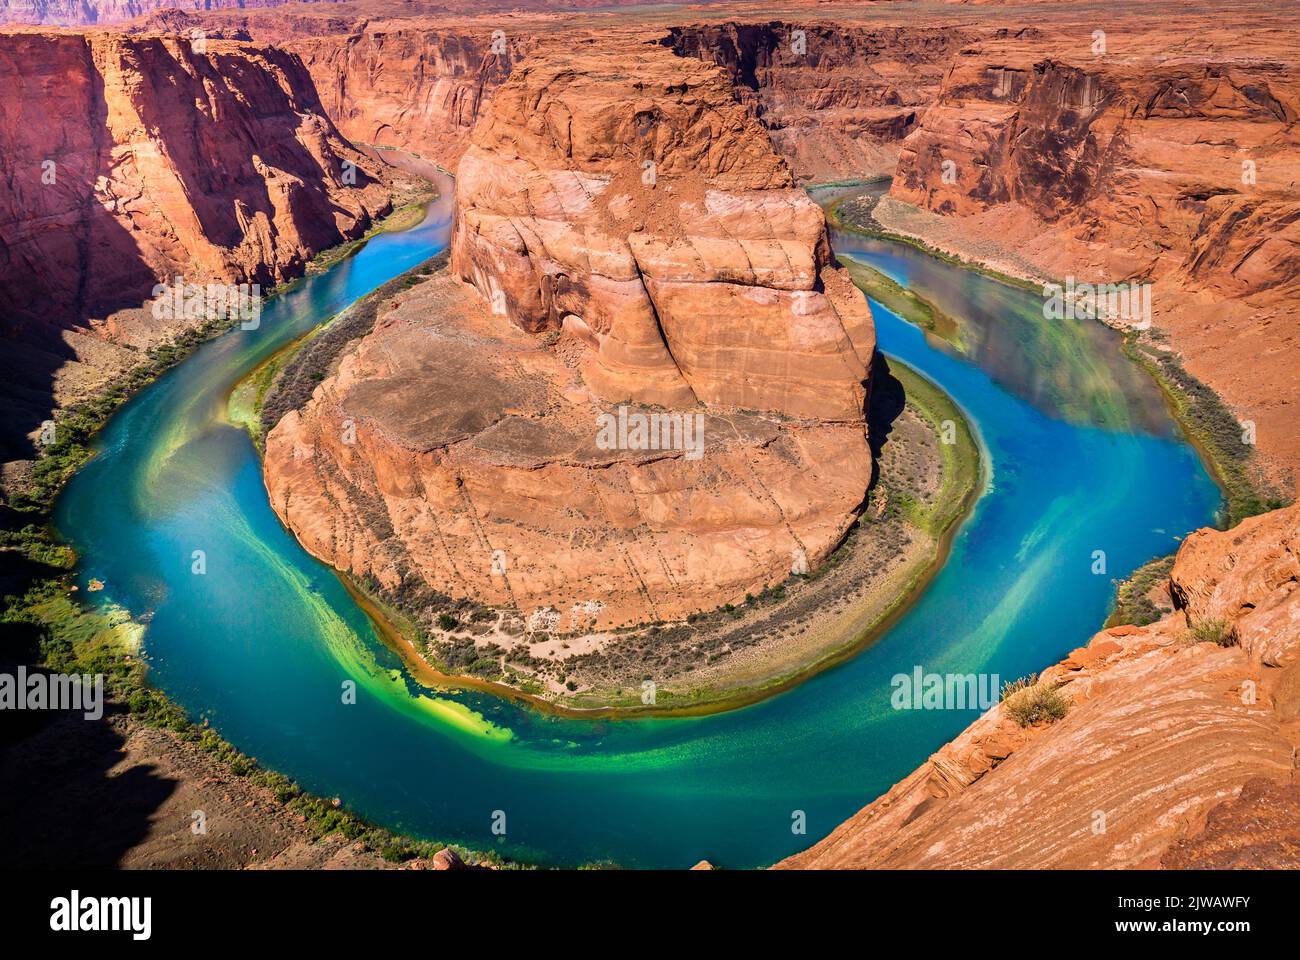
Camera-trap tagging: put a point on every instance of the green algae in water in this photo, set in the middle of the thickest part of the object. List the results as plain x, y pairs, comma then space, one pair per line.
1080, 459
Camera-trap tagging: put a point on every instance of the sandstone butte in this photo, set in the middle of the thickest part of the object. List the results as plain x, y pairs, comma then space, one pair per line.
624, 235
1181, 751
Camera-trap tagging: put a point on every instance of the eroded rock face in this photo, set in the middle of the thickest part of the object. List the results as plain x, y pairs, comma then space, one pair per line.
214, 164
459, 450
1174, 168
1248, 578
631, 200
836, 99
1164, 735
1146, 156
839, 108
477, 465
416, 87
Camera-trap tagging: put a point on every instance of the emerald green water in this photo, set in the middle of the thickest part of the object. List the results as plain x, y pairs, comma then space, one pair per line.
1083, 457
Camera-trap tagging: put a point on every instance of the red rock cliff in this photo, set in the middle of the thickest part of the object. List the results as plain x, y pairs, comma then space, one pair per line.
411, 86
1170, 162
165, 160
1174, 752
837, 99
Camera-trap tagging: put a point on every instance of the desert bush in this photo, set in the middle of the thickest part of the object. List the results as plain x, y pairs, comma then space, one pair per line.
1212, 631
1028, 703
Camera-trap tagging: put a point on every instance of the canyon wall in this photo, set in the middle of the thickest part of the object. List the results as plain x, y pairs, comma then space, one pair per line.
1148, 158
1174, 752
412, 86
1180, 169
837, 99
214, 165
129, 161
413, 83
627, 239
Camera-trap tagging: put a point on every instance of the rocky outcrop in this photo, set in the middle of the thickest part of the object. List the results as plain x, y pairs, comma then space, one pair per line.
627, 206
477, 463
1173, 751
209, 161
1175, 168
836, 99
1245, 578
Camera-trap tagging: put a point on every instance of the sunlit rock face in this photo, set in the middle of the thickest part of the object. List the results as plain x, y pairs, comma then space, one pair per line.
627, 244
212, 161
631, 198
1176, 750
410, 85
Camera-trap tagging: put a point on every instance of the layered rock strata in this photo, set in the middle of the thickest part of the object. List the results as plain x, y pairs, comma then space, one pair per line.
1177, 170
582, 296
1176, 750
130, 161
642, 211
836, 99
416, 87
212, 161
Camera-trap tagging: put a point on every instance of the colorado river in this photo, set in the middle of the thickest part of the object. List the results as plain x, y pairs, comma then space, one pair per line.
1082, 458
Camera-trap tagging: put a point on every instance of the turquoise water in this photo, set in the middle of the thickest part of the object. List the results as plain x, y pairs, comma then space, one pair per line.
263, 641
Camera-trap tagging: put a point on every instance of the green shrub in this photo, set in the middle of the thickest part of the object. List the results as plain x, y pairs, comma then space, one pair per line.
1012, 687
1028, 703
1213, 631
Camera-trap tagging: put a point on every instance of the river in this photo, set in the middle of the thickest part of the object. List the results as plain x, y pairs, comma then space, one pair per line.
1082, 457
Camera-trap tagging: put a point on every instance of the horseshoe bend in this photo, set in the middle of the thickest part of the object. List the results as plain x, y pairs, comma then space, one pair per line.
798, 435
623, 249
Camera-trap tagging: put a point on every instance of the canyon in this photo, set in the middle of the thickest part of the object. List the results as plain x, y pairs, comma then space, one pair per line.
841, 107
630, 233
1039, 155
1114, 160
